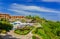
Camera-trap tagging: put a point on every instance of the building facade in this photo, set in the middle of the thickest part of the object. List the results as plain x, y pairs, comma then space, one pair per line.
7, 16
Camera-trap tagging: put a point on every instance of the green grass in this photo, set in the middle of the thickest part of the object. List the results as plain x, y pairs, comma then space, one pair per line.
22, 32
41, 33
48, 31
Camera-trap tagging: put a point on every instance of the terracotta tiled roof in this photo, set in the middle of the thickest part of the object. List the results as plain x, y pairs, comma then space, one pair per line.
7, 15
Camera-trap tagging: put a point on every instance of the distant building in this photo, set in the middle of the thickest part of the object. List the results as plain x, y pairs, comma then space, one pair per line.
7, 16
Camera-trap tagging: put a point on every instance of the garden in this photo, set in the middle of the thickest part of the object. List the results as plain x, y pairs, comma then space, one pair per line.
23, 31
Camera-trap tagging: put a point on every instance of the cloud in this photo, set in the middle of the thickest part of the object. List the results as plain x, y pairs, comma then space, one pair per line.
30, 10
51, 0
21, 12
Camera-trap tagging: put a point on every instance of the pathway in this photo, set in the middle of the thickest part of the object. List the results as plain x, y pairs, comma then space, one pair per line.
12, 35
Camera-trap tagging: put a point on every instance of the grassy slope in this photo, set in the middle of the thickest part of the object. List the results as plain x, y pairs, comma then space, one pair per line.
48, 31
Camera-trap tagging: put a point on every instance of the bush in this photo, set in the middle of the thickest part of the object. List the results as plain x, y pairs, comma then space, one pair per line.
5, 26
3, 31
34, 37
23, 31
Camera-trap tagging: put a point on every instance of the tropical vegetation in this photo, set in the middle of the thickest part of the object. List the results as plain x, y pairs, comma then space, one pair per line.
50, 30
5, 26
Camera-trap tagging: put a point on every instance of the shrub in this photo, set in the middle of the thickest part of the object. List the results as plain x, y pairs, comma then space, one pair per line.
5, 26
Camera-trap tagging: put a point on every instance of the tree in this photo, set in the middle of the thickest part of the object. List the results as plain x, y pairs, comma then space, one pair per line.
5, 26
37, 19
58, 33
29, 17
58, 21
3, 19
23, 20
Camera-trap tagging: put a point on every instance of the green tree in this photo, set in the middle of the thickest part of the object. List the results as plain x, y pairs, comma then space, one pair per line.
5, 26
29, 17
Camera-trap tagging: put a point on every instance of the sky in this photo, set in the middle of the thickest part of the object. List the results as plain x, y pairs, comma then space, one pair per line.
49, 9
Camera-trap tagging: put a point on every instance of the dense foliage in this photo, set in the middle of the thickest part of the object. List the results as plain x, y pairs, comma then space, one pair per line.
50, 30
5, 25
34, 37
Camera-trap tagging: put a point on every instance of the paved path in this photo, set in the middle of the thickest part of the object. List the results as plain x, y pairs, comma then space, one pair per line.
12, 35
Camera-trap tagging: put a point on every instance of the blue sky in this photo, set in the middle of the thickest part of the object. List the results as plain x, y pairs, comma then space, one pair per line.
50, 9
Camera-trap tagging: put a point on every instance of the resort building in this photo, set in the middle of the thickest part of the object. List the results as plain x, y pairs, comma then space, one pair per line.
7, 16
